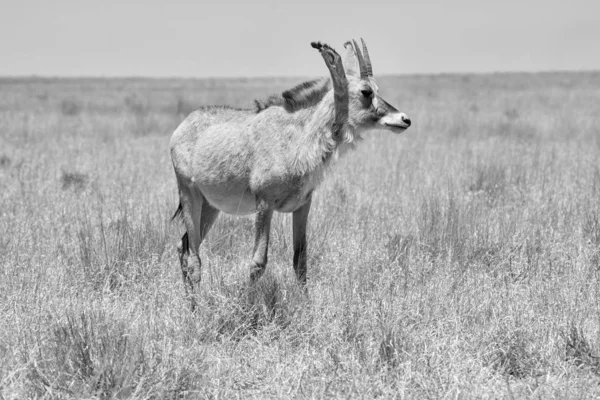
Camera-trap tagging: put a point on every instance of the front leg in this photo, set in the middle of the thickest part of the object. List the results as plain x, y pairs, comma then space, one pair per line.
261, 240
300, 218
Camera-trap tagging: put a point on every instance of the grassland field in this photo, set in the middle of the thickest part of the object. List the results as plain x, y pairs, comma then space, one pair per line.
460, 259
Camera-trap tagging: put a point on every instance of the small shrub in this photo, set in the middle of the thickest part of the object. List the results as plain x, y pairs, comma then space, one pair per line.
73, 180
511, 114
71, 107
4, 161
578, 350
515, 355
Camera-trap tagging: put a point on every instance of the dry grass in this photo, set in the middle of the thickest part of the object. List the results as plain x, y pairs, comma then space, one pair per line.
461, 259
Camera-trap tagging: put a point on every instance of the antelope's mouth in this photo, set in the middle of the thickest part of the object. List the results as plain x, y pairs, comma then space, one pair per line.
397, 126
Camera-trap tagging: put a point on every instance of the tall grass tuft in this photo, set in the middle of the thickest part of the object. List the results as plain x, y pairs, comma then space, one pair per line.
89, 356
117, 254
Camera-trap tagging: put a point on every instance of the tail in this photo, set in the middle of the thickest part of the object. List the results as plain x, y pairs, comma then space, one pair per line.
178, 212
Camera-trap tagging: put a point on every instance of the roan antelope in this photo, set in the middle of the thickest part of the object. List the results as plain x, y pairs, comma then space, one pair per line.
272, 158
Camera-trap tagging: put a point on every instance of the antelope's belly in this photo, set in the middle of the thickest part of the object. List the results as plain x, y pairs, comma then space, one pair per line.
231, 202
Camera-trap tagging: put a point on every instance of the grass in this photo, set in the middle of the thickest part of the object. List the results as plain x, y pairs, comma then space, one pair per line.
460, 259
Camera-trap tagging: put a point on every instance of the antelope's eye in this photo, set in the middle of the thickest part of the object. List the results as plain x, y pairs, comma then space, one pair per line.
367, 93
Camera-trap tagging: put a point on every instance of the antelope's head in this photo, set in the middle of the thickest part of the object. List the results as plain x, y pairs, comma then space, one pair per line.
366, 109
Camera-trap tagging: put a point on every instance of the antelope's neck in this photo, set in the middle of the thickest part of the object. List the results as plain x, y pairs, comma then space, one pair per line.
320, 148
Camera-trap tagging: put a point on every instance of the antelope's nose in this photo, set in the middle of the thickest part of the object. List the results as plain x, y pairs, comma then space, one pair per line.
406, 120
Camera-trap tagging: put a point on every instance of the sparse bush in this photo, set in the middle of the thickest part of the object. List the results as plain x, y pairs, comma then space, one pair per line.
70, 107
513, 353
4, 161
73, 180
578, 350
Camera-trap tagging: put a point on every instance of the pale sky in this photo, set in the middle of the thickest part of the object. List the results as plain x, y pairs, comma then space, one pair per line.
229, 38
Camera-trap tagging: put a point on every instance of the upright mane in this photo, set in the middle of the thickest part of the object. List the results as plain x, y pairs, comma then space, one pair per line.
300, 96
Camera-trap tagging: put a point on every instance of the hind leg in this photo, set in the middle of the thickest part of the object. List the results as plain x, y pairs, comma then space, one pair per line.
183, 248
198, 217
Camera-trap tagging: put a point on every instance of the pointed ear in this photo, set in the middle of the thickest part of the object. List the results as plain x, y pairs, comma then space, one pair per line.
350, 60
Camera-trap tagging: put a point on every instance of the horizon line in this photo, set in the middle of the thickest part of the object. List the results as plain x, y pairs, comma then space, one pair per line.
261, 77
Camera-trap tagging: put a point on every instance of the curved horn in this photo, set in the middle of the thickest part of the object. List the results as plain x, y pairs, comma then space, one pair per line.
368, 64
350, 62
361, 61
340, 86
